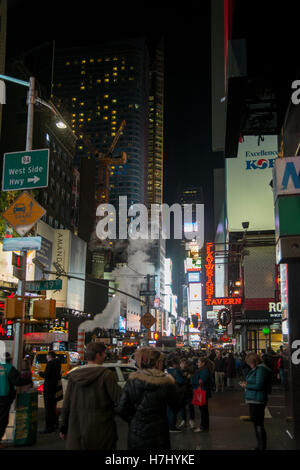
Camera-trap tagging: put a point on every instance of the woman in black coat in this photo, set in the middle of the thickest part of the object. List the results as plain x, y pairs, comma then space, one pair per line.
144, 401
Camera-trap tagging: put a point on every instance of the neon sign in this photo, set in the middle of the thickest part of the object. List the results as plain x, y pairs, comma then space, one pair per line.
224, 301
210, 271
6, 330
210, 298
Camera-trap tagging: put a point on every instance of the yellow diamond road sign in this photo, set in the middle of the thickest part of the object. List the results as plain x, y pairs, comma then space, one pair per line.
147, 320
23, 213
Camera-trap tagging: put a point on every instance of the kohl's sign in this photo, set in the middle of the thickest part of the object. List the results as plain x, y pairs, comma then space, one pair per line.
260, 160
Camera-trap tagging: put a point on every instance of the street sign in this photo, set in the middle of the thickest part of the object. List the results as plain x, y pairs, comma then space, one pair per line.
55, 284
147, 292
147, 320
22, 244
25, 170
23, 213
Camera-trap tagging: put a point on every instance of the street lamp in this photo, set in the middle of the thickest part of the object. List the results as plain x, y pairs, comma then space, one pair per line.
32, 99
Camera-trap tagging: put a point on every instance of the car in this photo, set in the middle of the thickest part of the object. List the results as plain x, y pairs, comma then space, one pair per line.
68, 359
121, 372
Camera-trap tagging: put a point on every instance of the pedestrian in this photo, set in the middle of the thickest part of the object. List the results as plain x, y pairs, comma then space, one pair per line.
238, 365
87, 418
144, 401
26, 376
173, 369
219, 371
52, 391
202, 377
257, 387
184, 383
10, 378
230, 370
280, 368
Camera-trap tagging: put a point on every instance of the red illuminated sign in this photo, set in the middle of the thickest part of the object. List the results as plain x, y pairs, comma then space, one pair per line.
210, 298
224, 301
210, 271
6, 331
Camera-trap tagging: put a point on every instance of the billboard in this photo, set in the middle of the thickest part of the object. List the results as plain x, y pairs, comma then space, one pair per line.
77, 260
195, 291
70, 252
249, 195
168, 272
194, 276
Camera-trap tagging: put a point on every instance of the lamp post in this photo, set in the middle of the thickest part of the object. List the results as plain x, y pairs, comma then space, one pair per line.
32, 99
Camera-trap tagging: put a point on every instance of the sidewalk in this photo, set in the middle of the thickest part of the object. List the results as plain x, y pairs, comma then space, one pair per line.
227, 430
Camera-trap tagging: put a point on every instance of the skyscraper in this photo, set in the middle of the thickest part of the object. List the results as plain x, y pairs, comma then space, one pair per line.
156, 121
103, 85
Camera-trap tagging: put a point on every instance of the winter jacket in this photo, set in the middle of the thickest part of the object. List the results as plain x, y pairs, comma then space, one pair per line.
52, 376
89, 408
205, 376
219, 364
11, 376
143, 404
230, 367
258, 384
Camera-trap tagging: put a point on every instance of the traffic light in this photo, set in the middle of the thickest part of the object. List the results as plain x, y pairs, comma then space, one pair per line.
18, 263
156, 336
44, 309
13, 308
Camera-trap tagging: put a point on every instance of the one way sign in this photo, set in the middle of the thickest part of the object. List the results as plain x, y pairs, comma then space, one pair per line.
25, 170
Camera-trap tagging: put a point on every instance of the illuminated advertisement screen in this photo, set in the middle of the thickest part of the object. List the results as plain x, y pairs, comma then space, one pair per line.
195, 291
194, 276
190, 266
190, 227
196, 308
248, 188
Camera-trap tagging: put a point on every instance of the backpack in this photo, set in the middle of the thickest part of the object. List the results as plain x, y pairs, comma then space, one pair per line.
4, 382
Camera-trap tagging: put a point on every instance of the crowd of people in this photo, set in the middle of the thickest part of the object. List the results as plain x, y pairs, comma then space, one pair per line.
159, 398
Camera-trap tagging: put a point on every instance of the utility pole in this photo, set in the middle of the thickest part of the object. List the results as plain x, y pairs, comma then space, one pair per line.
19, 333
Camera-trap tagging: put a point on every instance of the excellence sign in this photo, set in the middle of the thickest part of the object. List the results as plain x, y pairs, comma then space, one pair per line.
210, 298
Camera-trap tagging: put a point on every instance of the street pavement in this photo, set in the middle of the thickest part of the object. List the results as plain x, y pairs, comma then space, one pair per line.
227, 430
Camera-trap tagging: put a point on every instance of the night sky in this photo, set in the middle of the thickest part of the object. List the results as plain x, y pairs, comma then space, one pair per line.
187, 140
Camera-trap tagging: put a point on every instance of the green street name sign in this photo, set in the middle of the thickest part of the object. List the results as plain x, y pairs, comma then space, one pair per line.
25, 170
56, 284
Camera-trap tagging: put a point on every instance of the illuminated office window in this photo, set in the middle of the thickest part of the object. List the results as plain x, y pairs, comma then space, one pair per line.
68, 63
106, 96
99, 60
82, 88
115, 68
106, 79
91, 61
83, 61
82, 103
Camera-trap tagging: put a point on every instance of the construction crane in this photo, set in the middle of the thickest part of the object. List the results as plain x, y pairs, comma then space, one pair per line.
105, 161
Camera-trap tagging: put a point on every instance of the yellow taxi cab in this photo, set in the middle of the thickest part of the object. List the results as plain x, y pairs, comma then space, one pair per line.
68, 359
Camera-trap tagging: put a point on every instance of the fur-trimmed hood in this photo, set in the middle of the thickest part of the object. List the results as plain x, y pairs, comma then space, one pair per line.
152, 376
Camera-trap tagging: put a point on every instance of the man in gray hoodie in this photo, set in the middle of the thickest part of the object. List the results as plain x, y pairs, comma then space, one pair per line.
88, 410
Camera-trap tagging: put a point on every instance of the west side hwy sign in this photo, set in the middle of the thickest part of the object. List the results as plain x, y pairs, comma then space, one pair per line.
25, 170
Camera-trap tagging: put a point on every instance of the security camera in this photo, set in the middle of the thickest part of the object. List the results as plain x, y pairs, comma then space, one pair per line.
245, 225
